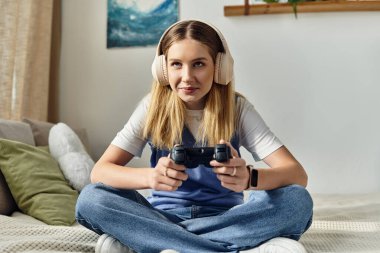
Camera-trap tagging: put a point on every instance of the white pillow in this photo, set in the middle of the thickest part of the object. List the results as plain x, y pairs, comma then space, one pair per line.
66, 147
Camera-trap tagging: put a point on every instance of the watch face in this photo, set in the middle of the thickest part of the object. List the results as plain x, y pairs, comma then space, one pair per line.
254, 176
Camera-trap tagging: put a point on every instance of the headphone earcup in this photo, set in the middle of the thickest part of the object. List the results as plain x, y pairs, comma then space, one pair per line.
223, 73
159, 70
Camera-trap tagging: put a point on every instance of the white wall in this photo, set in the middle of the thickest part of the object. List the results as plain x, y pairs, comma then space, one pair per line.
315, 80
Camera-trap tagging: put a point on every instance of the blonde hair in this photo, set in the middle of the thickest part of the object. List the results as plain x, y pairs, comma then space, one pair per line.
166, 113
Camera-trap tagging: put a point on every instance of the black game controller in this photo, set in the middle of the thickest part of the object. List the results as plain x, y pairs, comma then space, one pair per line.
192, 157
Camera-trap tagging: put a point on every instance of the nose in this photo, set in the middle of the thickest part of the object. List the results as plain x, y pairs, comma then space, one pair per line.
187, 74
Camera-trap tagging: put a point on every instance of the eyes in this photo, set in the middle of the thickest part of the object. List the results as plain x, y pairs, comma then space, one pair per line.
178, 65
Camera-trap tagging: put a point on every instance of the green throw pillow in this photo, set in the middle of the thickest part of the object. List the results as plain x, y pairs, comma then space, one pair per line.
37, 183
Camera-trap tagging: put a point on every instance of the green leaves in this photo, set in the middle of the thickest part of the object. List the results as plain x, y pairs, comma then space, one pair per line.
294, 5
292, 2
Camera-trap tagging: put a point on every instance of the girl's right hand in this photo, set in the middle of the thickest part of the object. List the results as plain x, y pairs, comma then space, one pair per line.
167, 176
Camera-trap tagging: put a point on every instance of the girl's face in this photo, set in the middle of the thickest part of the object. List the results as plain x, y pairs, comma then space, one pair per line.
190, 72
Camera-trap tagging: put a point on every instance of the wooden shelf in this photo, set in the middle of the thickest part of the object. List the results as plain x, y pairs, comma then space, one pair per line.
317, 6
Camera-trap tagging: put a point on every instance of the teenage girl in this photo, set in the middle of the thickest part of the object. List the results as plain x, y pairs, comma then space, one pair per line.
193, 103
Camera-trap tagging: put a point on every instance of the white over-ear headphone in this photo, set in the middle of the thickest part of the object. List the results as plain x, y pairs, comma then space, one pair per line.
224, 62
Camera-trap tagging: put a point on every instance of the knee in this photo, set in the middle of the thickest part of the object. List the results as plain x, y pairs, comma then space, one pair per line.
297, 201
300, 195
91, 198
290, 207
85, 200
297, 210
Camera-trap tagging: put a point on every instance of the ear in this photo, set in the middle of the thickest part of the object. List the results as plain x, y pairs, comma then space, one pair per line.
159, 70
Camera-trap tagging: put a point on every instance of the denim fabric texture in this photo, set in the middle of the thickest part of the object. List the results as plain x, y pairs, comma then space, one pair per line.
129, 217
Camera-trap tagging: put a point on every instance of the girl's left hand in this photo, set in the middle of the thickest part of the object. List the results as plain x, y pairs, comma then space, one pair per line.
233, 174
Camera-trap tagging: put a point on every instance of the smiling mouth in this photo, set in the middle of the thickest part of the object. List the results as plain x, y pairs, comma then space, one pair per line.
188, 88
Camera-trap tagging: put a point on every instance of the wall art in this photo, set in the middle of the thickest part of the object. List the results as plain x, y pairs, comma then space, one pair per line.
132, 23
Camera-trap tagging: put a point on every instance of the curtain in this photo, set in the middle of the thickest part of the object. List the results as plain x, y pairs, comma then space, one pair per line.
25, 58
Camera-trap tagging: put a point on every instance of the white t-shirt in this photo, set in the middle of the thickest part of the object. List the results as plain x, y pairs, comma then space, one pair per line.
254, 134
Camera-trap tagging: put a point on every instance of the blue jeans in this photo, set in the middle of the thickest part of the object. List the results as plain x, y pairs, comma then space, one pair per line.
129, 217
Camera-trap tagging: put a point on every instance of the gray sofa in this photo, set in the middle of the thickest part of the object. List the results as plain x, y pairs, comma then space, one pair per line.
22, 229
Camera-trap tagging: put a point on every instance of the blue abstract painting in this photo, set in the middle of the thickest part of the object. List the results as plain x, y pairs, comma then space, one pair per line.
139, 22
